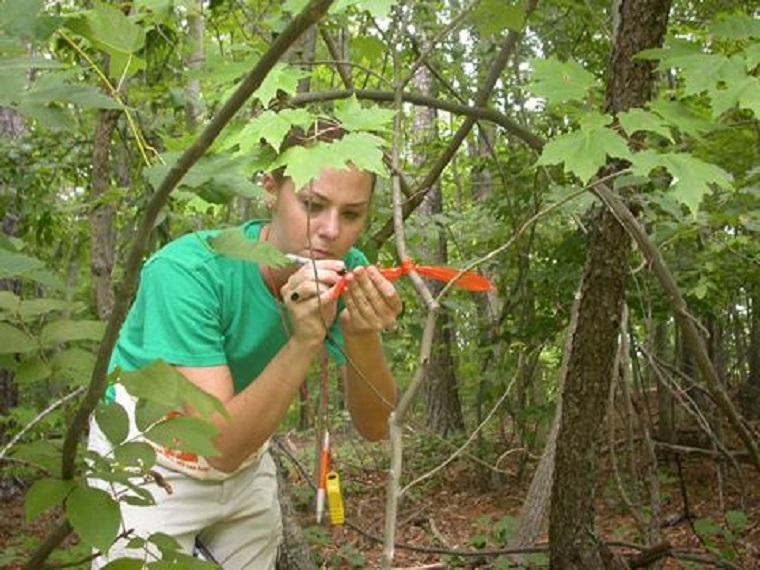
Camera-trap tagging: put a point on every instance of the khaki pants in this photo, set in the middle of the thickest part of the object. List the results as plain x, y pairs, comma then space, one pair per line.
236, 519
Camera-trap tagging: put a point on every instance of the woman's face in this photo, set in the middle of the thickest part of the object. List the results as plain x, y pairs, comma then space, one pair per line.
325, 218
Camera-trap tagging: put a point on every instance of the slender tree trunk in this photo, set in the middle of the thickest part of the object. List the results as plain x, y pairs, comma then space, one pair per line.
103, 214
193, 61
11, 126
666, 425
641, 25
750, 394
444, 410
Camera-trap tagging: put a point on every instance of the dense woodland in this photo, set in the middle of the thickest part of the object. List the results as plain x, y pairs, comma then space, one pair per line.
597, 160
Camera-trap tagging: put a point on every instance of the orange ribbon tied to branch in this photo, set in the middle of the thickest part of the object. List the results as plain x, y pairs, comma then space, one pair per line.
466, 280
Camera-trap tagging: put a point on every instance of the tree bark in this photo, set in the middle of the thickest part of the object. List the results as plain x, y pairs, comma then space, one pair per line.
194, 61
641, 25
443, 406
11, 126
750, 395
103, 214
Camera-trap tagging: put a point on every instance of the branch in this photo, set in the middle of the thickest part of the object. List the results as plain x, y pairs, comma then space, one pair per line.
481, 98
475, 112
685, 319
39, 418
312, 13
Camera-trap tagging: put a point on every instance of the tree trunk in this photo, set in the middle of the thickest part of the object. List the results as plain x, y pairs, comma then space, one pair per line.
536, 504
294, 553
194, 61
641, 25
666, 425
750, 395
11, 126
103, 215
444, 410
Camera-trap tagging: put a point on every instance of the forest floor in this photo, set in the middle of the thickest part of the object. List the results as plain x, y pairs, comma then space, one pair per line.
464, 507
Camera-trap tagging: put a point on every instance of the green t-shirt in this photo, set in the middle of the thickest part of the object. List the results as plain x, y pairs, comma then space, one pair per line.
195, 307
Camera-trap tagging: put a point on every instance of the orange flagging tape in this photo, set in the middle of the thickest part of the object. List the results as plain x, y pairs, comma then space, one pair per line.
468, 280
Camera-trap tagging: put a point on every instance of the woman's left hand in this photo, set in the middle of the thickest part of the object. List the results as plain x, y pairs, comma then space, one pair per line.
372, 302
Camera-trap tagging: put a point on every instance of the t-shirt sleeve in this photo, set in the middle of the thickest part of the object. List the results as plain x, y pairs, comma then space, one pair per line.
181, 315
336, 343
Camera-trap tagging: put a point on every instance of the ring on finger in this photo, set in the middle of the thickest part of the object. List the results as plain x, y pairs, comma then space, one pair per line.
294, 296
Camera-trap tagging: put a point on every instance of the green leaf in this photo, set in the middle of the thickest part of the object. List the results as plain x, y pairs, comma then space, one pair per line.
737, 521
705, 527
272, 127
354, 117
752, 55
305, 164
185, 433
233, 243
125, 564
736, 27
81, 95
559, 81
40, 452
136, 454
19, 18
379, 9
32, 370
637, 120
111, 31
586, 150
367, 49
493, 16
9, 301
113, 422
363, 150
162, 384
45, 494
17, 264
294, 6
24, 63
74, 364
94, 515
281, 78
15, 340
34, 308
66, 330
691, 176
681, 117
215, 177
744, 93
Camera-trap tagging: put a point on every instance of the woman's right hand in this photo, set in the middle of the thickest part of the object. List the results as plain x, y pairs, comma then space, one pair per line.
307, 294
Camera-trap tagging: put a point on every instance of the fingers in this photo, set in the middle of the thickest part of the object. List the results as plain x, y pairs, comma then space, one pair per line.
312, 279
372, 299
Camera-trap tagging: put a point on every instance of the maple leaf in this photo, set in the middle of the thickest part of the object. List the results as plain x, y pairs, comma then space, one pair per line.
363, 150
233, 243
354, 117
637, 120
586, 150
272, 127
304, 164
281, 78
745, 94
691, 177
559, 81
681, 117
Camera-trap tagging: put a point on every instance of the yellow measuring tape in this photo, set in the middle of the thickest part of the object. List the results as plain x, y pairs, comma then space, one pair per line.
335, 499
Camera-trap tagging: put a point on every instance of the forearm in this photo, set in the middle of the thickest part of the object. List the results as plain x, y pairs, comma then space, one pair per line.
256, 412
370, 387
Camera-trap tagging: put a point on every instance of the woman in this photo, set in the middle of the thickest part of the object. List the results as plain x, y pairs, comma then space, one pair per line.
221, 323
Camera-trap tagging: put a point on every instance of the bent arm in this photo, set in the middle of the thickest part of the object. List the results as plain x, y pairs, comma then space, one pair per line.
370, 387
255, 412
